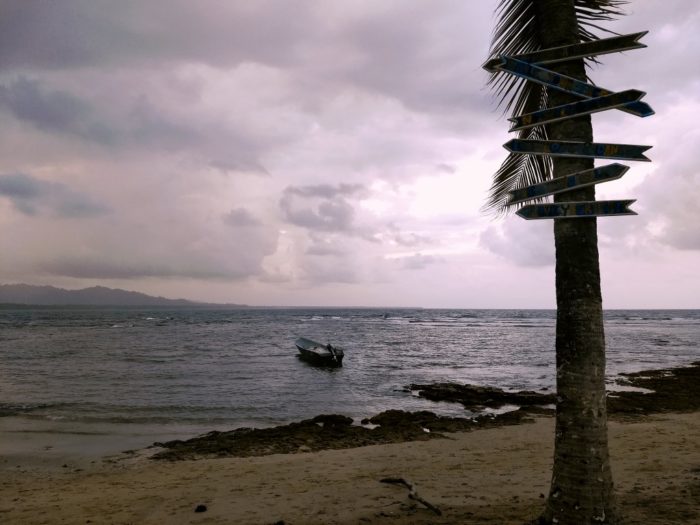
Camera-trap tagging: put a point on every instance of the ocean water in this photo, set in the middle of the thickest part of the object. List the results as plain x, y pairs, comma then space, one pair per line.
184, 371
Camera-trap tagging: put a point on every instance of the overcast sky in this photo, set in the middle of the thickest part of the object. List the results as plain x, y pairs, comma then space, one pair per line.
317, 152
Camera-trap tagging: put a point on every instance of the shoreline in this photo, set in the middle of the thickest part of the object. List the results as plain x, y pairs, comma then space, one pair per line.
48, 445
642, 393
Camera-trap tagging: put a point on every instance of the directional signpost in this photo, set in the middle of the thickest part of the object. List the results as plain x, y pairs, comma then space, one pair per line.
571, 85
575, 109
578, 149
602, 46
529, 67
574, 181
573, 210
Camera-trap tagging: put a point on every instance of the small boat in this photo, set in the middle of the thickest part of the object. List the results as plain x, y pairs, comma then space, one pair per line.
319, 354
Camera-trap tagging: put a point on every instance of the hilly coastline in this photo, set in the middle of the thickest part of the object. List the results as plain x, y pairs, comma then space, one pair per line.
25, 294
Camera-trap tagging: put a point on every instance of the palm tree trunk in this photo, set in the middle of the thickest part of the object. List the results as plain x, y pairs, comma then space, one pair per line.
581, 491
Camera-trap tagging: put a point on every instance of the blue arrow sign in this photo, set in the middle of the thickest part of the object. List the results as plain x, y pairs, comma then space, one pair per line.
564, 83
575, 210
577, 149
574, 181
575, 109
601, 46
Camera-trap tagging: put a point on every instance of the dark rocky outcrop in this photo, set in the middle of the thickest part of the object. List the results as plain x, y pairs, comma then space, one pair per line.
670, 390
329, 432
475, 397
673, 390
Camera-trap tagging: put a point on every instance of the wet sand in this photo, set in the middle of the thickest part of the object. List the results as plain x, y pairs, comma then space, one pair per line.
492, 476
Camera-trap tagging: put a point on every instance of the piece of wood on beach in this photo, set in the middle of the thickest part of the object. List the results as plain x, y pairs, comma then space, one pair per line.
412, 493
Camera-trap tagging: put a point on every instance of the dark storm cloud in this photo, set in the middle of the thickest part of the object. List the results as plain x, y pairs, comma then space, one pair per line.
240, 217
314, 53
32, 196
148, 126
405, 53
52, 110
61, 112
144, 126
322, 207
403, 50
87, 33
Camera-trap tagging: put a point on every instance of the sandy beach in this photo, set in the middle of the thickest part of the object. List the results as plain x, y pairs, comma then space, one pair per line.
496, 476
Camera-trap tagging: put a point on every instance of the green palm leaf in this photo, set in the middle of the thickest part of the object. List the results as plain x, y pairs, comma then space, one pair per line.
516, 33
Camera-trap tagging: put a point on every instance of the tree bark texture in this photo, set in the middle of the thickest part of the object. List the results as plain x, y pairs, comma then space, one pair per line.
581, 490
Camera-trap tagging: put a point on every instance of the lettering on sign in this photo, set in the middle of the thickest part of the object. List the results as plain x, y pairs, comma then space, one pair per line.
577, 149
567, 84
574, 181
601, 46
576, 210
575, 109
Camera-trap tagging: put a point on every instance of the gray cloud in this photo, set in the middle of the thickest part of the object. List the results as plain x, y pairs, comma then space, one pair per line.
401, 50
526, 243
325, 249
239, 163
232, 254
168, 106
671, 195
408, 239
52, 111
446, 168
322, 207
32, 196
102, 268
324, 270
327, 191
419, 261
241, 217
86, 33
142, 125
426, 74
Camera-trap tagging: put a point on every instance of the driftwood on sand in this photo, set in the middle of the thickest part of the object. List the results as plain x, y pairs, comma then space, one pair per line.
412, 493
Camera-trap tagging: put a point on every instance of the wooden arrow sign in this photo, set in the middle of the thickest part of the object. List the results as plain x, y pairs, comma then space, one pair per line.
602, 46
575, 109
577, 149
574, 181
575, 210
564, 83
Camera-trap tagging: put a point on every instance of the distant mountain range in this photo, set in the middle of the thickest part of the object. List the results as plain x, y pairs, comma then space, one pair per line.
26, 294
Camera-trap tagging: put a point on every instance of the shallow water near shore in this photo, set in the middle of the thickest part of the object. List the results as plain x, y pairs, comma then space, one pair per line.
120, 377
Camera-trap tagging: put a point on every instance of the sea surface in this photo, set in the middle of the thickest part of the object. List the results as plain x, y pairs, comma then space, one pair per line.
176, 372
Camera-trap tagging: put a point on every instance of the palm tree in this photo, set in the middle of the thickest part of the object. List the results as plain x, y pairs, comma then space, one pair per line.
581, 489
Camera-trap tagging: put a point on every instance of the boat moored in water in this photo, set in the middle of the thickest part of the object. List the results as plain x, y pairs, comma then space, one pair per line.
318, 353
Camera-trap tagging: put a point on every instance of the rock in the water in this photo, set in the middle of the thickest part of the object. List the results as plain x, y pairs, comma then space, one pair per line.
672, 390
201, 508
478, 397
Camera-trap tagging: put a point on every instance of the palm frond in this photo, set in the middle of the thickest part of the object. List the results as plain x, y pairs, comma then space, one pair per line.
516, 33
